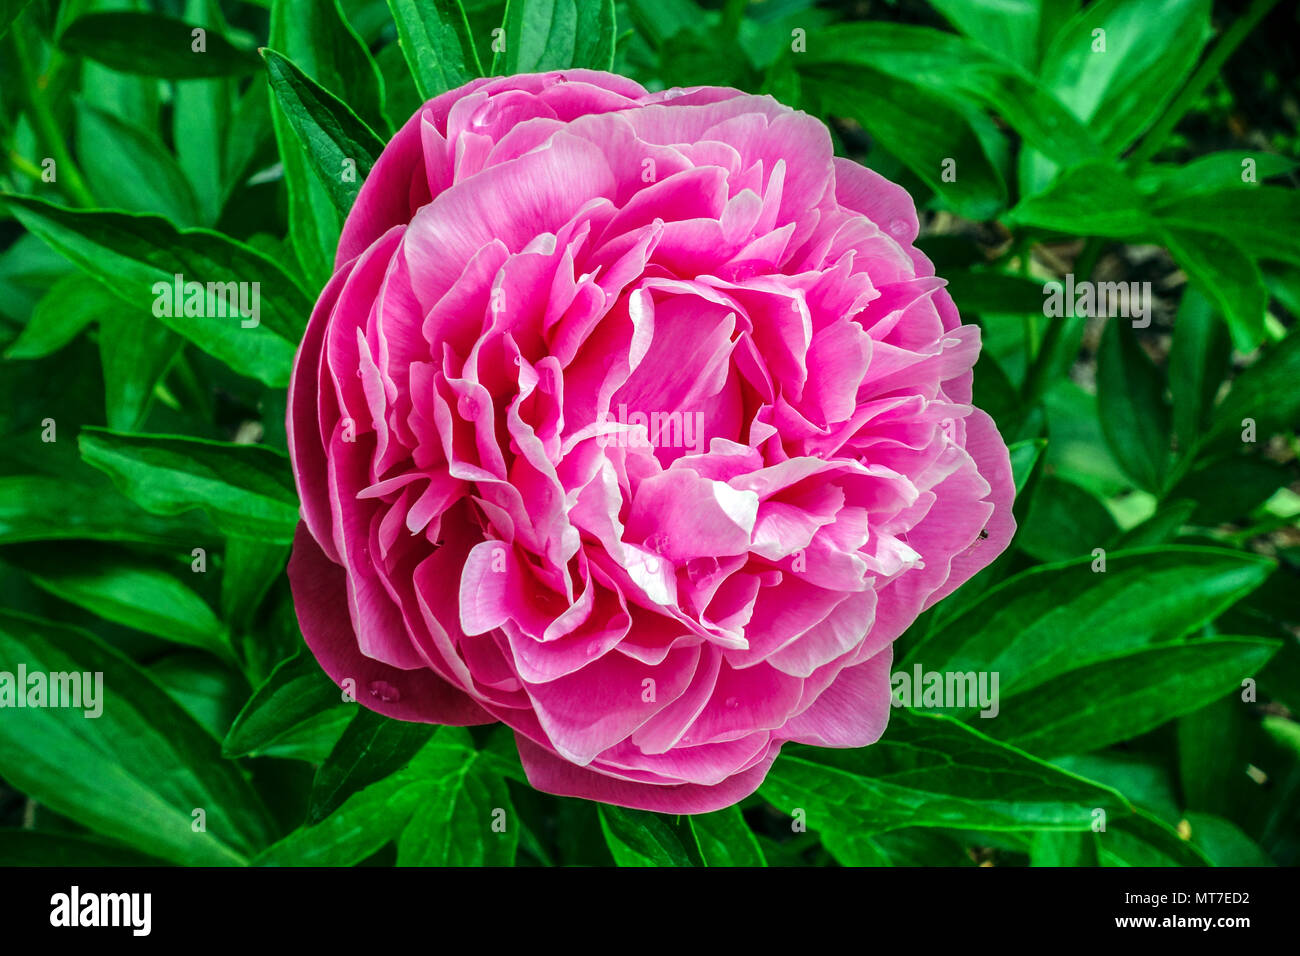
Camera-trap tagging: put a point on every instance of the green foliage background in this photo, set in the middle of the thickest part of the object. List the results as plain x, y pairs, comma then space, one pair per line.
148, 539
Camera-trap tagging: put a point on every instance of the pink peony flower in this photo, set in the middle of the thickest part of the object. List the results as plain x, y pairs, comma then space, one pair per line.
635, 421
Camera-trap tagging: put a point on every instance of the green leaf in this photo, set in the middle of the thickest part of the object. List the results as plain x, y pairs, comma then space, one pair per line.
724, 839
1223, 842
1150, 48
246, 489
1101, 702
1030, 628
1228, 490
1024, 458
544, 35
1092, 199
135, 351
930, 770
435, 38
1223, 272
1143, 840
296, 692
927, 132
200, 122
138, 173
1198, 362
337, 143
249, 568
212, 695
372, 747
1064, 521
137, 258
1259, 219
1211, 173
10, 11
135, 773
153, 45
317, 38
43, 508
363, 825
1161, 527
1008, 28
951, 67
465, 817
69, 306
1054, 848
1131, 401
1265, 392
640, 838
121, 587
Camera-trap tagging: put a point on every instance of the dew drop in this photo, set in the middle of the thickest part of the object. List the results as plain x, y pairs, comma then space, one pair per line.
657, 542
898, 227
384, 691
701, 570
484, 115
732, 703
468, 408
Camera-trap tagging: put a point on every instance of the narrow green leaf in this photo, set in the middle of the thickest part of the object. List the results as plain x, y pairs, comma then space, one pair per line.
126, 589
1198, 362
1131, 401
924, 130
640, 838
725, 839
1105, 701
340, 147
930, 770
43, 508
246, 489
544, 35
137, 772
372, 747
138, 257
1030, 628
435, 39
1223, 272
1007, 28
139, 173
135, 351
69, 306
296, 692
1120, 79
1265, 393
465, 817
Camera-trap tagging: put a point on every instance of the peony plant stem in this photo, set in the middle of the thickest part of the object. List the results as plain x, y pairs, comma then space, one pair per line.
43, 121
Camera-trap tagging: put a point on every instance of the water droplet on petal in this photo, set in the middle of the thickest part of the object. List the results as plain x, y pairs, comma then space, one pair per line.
485, 115
384, 691
898, 227
732, 703
701, 570
657, 542
468, 408
593, 648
